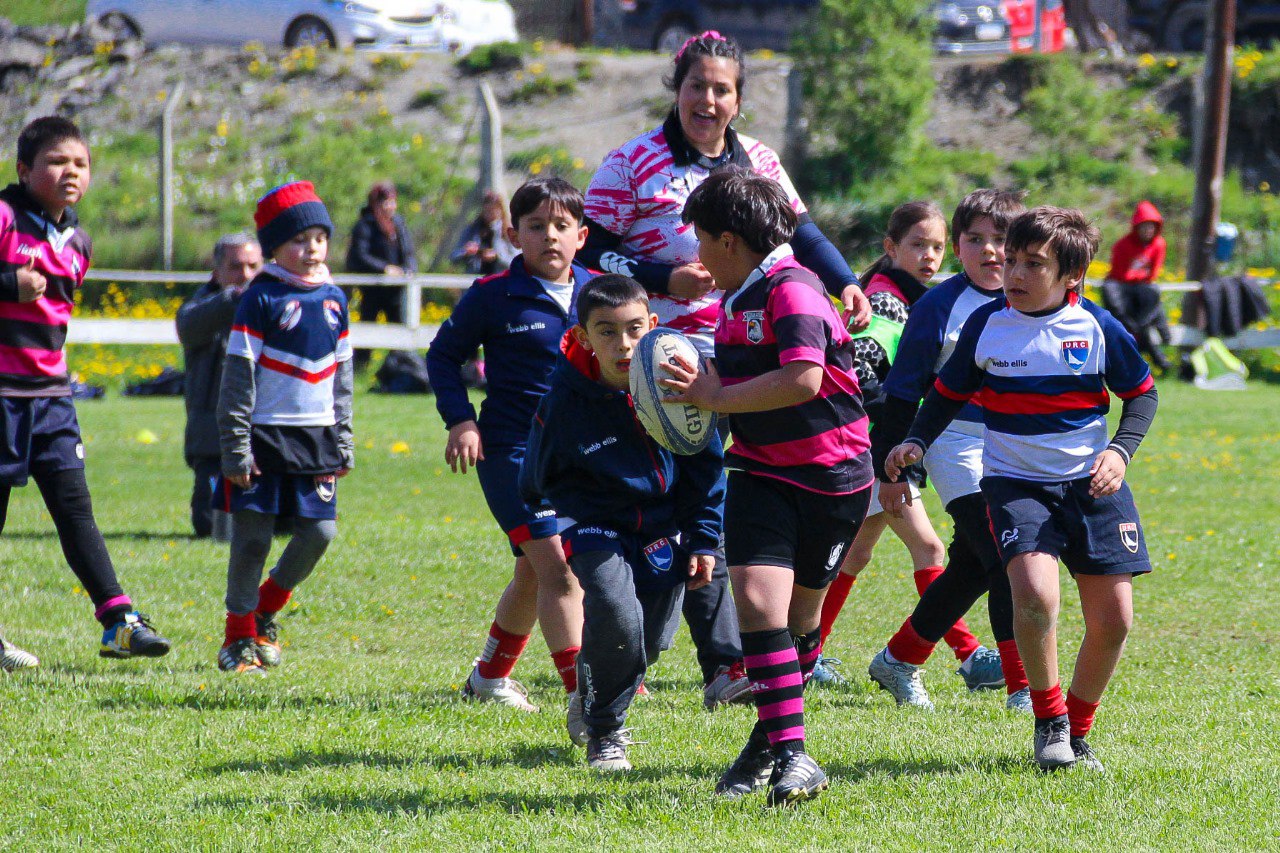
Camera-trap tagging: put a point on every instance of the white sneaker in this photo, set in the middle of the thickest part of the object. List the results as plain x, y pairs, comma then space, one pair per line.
504, 691
575, 722
730, 684
13, 658
902, 680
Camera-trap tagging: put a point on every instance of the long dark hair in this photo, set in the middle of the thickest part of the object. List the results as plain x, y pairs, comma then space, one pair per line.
901, 221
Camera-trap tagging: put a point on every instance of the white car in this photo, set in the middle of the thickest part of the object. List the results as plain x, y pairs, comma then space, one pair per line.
453, 25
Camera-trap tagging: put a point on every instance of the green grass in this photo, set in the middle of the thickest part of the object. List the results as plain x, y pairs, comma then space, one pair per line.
360, 740
43, 11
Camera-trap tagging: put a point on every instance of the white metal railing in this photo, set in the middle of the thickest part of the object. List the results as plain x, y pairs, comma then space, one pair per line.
410, 334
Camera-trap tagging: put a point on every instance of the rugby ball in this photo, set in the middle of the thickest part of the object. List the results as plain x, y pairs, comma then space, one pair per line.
679, 427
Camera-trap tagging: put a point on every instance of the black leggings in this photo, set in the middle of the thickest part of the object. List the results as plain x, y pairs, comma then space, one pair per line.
66, 494
973, 567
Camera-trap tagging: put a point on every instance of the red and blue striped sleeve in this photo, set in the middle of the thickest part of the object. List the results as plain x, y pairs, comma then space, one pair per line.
1126, 372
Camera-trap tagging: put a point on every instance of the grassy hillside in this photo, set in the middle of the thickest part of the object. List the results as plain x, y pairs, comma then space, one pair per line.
43, 11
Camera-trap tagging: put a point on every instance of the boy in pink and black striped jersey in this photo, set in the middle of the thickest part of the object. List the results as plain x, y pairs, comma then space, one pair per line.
44, 255
800, 471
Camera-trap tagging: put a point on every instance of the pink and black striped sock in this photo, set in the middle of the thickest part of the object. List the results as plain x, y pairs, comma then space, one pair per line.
777, 686
808, 650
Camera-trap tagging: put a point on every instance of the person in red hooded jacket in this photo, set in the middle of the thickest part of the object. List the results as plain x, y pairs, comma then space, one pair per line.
1130, 292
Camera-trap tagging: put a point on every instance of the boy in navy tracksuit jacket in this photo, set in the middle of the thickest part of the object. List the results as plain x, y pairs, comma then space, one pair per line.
646, 521
519, 317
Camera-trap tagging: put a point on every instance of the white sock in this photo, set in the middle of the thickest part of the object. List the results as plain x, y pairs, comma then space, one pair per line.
889, 656
968, 662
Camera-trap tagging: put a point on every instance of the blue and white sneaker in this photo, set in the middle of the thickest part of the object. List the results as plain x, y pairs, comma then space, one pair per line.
984, 672
1019, 701
825, 672
902, 680
133, 637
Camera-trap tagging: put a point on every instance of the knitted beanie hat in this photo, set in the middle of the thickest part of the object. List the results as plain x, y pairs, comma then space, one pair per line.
286, 211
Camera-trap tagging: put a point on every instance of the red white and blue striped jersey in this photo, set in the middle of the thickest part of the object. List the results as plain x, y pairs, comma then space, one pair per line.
33, 334
295, 334
639, 193
1042, 383
780, 315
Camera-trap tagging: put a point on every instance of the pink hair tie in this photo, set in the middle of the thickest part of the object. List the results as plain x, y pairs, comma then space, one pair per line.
711, 34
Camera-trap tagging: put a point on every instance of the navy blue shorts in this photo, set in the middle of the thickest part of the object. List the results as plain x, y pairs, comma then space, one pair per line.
768, 522
656, 562
1092, 536
499, 474
41, 435
302, 495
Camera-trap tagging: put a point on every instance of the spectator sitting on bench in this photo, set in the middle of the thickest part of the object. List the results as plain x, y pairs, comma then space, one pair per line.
1130, 292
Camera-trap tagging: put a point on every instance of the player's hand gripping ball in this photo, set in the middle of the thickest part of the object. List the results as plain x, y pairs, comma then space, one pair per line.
679, 427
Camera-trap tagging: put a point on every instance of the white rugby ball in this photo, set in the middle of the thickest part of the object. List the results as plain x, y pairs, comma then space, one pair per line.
679, 427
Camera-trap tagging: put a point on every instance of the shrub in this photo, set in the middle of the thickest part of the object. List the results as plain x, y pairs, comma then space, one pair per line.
867, 85
499, 56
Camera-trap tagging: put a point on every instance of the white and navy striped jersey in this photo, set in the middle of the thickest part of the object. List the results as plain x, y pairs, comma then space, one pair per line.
295, 335
1042, 384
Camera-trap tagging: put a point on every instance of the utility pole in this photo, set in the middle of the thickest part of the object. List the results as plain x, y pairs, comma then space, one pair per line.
1211, 144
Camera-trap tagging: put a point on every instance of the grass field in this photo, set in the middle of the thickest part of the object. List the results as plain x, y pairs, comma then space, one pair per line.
360, 741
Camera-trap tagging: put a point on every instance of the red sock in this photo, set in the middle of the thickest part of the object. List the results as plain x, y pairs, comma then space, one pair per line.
909, 647
501, 651
272, 597
240, 627
1080, 713
1015, 676
834, 602
566, 661
1047, 704
959, 638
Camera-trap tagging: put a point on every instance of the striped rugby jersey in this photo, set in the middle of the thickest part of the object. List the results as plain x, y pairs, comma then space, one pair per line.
1042, 383
780, 315
295, 334
929, 338
33, 334
639, 194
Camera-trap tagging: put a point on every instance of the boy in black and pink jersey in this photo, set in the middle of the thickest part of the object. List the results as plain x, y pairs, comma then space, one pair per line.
44, 256
800, 471
1041, 362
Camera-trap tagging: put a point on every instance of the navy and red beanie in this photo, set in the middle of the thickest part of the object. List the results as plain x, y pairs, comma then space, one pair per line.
287, 210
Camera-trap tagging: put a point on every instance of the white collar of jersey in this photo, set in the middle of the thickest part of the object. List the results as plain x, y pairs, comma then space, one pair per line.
771, 260
58, 239
322, 275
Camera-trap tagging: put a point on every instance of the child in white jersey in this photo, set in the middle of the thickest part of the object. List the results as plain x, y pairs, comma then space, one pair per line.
1040, 361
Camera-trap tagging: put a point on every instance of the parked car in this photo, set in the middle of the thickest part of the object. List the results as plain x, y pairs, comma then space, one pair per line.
1181, 26
971, 26
1022, 25
456, 25
963, 26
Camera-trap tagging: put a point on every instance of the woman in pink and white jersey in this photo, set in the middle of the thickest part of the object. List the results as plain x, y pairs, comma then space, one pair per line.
636, 197
633, 214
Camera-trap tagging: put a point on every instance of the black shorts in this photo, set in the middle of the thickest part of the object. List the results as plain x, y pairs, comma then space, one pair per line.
771, 523
40, 436
1092, 536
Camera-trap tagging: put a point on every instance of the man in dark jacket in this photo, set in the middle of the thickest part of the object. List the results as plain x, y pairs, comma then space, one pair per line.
204, 323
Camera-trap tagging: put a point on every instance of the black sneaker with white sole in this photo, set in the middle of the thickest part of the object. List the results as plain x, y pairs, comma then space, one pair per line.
750, 771
1085, 756
796, 777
